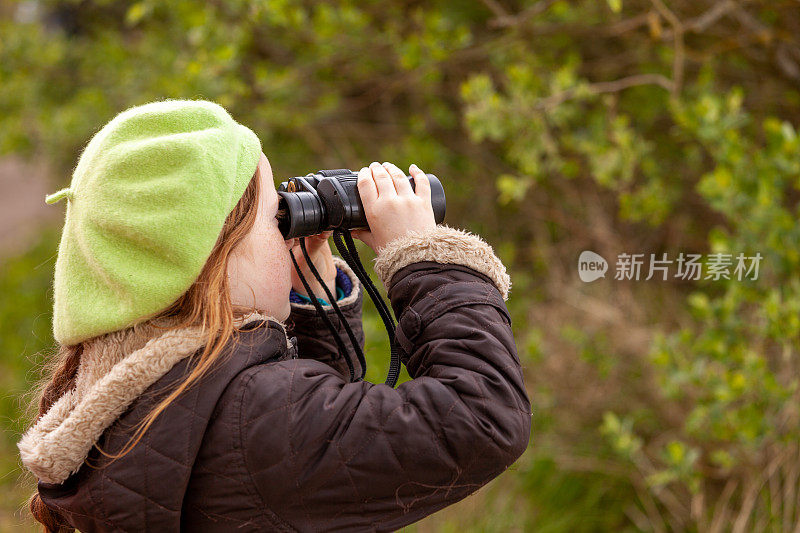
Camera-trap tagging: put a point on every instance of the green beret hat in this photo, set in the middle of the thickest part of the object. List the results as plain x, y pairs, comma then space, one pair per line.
147, 202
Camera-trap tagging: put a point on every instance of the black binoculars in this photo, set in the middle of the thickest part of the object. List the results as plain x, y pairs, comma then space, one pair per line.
329, 200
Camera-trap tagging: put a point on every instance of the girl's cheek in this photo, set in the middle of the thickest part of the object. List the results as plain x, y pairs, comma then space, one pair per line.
286, 259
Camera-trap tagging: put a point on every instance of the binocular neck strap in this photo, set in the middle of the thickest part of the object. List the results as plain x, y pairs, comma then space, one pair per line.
347, 249
324, 316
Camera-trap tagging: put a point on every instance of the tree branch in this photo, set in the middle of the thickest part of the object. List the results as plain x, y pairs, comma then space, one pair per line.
506, 20
680, 54
608, 87
495, 7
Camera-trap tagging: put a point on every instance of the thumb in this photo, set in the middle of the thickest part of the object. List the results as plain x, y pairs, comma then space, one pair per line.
365, 236
358, 233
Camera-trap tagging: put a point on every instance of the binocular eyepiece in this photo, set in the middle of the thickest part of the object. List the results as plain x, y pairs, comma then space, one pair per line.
329, 200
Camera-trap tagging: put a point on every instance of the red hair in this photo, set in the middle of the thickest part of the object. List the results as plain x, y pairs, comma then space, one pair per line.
206, 303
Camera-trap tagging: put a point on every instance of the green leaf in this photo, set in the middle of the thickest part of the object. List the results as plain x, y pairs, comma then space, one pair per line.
137, 12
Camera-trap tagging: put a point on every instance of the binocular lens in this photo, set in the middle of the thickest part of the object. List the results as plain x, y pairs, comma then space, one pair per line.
330, 200
300, 214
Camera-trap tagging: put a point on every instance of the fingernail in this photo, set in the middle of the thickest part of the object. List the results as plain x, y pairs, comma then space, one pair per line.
414, 167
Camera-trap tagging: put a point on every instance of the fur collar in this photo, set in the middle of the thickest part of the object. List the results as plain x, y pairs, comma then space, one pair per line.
114, 370
347, 300
444, 245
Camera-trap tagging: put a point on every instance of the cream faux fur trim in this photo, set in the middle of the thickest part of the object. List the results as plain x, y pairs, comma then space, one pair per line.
350, 298
444, 245
114, 370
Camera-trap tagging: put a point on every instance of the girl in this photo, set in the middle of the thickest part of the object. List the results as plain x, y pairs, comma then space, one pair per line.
181, 402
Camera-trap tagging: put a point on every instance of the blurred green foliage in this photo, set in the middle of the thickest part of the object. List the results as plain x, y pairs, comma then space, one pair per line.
630, 126
26, 342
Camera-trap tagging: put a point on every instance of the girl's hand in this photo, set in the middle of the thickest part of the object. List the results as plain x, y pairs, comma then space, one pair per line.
320, 253
392, 207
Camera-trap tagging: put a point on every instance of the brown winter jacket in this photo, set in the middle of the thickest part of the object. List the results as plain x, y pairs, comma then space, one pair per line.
276, 438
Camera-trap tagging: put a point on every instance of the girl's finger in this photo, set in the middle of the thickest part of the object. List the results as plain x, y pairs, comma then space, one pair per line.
422, 186
364, 235
324, 236
316, 243
383, 181
366, 186
401, 183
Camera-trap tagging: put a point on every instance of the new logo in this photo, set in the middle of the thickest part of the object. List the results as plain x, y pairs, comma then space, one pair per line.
591, 266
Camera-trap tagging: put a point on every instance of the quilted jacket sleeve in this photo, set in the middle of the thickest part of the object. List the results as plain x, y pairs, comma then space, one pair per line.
314, 339
323, 454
